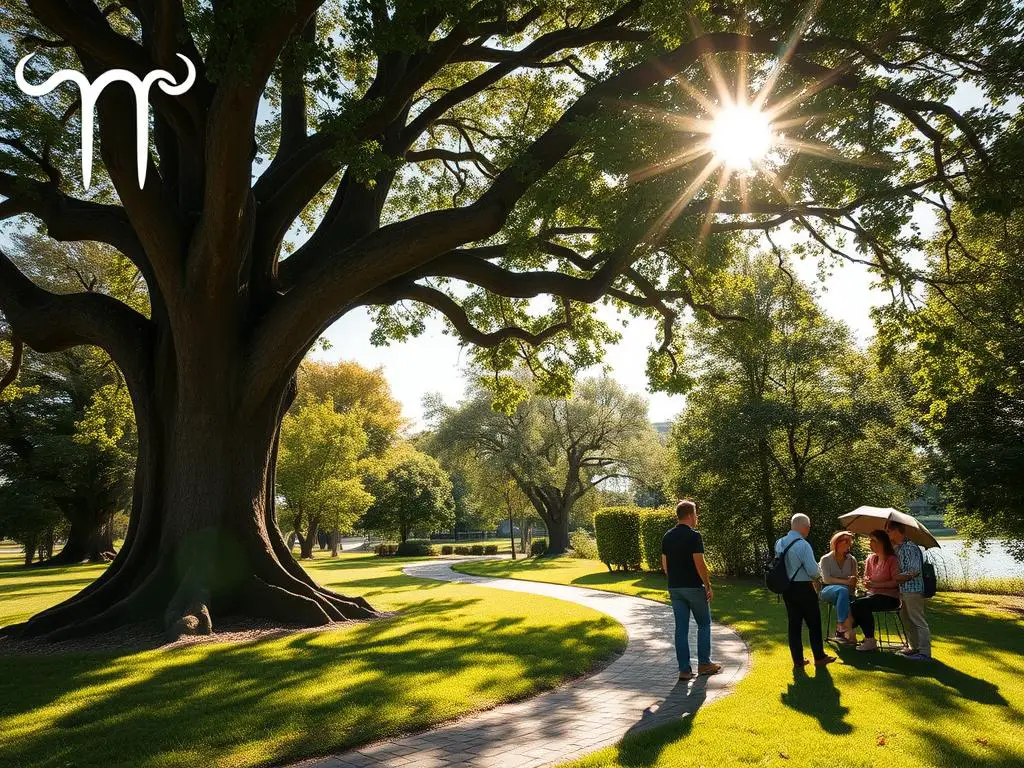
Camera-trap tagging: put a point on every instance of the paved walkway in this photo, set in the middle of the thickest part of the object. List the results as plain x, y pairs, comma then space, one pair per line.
639, 690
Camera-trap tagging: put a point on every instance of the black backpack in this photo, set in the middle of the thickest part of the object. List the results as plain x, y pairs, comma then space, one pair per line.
776, 577
931, 583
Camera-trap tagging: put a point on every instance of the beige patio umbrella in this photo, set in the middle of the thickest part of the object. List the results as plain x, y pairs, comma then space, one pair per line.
868, 519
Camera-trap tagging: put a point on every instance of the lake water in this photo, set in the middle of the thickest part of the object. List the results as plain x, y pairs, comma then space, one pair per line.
959, 559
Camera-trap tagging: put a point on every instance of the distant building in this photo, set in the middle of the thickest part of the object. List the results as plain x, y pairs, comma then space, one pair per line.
662, 427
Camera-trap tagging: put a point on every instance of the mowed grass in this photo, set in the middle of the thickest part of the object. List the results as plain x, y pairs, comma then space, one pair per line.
964, 709
452, 649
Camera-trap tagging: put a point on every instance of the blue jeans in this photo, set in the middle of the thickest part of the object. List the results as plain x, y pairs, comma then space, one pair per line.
687, 601
839, 596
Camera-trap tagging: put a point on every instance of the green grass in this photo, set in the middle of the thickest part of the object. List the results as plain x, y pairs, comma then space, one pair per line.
965, 709
452, 649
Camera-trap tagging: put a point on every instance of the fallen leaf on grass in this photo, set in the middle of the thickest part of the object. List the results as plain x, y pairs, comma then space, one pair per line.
881, 740
783, 755
983, 742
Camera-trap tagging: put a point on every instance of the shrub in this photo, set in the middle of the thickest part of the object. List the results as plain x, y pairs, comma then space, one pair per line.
447, 549
538, 547
654, 523
385, 550
476, 549
583, 545
461, 550
618, 537
491, 549
415, 548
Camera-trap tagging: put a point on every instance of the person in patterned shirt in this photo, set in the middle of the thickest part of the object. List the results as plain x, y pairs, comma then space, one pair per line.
911, 592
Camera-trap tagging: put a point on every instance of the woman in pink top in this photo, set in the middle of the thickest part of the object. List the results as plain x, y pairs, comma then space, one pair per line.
880, 571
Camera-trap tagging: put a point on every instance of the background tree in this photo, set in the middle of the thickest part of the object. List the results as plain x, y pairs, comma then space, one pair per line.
959, 351
320, 471
365, 396
786, 417
459, 158
76, 411
412, 493
555, 449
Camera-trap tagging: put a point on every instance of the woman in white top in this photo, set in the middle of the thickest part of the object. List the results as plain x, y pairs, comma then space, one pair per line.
839, 577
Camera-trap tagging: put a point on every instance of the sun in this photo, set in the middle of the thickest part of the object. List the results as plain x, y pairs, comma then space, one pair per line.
741, 136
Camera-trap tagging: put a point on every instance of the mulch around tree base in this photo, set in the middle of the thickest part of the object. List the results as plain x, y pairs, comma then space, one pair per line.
149, 636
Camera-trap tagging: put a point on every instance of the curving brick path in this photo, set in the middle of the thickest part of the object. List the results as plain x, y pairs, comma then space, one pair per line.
638, 690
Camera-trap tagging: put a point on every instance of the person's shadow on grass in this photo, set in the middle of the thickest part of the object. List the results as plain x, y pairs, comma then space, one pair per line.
968, 686
818, 697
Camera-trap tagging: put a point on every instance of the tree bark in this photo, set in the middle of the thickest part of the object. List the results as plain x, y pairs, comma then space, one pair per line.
91, 539
203, 538
307, 542
554, 509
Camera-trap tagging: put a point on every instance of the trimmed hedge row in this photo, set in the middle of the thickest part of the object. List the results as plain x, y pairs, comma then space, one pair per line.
618, 537
475, 549
628, 537
415, 548
654, 524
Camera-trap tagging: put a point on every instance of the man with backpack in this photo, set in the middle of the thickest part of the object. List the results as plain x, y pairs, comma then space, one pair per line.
912, 592
797, 584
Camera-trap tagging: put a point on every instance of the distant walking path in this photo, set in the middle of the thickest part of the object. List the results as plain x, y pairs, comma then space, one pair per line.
637, 691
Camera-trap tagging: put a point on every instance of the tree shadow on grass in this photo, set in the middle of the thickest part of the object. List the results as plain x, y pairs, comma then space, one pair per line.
816, 695
308, 694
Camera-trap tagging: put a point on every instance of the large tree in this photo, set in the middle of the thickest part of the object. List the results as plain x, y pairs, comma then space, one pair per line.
411, 493
556, 449
457, 157
960, 352
787, 416
320, 471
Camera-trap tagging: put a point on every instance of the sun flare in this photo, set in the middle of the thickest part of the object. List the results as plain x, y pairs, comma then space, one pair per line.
740, 137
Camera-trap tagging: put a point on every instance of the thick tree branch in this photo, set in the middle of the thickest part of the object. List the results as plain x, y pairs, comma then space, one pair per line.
451, 309
50, 322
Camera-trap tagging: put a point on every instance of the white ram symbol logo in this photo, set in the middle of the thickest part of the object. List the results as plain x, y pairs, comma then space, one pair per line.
90, 92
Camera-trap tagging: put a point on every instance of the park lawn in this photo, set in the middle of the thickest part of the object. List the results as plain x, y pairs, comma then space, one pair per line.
452, 649
966, 709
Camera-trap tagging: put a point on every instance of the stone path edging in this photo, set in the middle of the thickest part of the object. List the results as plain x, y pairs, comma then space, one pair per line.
635, 692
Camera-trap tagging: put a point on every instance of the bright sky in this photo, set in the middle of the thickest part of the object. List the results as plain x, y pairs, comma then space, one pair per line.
434, 362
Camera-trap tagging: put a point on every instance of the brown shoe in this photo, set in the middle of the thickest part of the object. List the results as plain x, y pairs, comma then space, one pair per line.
709, 669
824, 661
686, 675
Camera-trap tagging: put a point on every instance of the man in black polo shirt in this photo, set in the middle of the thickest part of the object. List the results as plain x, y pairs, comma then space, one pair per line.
689, 586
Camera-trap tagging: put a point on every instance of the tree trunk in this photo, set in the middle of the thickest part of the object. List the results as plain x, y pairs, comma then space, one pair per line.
554, 511
203, 539
306, 544
335, 542
91, 538
30, 549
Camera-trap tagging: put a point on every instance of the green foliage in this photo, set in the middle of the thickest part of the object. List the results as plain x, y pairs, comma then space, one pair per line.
538, 547
321, 468
411, 493
787, 416
415, 548
556, 450
584, 546
447, 549
490, 549
617, 532
959, 359
461, 550
476, 549
386, 550
654, 524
